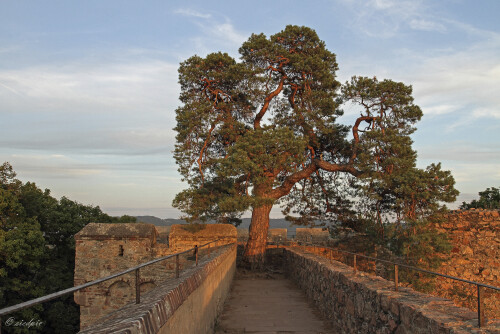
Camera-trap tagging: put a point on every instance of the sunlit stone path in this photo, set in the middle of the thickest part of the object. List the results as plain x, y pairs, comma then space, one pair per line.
272, 305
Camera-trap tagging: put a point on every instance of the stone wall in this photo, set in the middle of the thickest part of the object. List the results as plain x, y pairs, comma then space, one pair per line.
277, 235
181, 237
316, 235
274, 235
188, 305
106, 249
475, 238
359, 303
242, 235
163, 233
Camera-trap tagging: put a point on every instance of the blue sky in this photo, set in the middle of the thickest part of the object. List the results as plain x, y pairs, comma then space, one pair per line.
88, 89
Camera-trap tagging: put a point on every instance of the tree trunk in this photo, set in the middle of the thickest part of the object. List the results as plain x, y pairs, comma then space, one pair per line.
255, 249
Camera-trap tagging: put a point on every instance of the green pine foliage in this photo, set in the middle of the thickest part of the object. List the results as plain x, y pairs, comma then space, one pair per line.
267, 129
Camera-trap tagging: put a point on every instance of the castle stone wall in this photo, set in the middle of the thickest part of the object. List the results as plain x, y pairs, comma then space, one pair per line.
475, 238
188, 305
181, 237
360, 303
106, 249
316, 235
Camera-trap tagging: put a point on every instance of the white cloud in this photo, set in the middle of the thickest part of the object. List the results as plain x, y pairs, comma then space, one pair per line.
465, 80
385, 18
441, 109
472, 174
228, 32
80, 86
426, 25
192, 13
123, 108
462, 152
216, 32
486, 112
462, 80
53, 166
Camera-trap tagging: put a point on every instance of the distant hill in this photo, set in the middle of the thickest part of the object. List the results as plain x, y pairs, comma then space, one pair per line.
158, 221
273, 223
150, 220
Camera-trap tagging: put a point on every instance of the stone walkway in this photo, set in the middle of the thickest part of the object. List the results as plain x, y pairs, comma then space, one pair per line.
271, 306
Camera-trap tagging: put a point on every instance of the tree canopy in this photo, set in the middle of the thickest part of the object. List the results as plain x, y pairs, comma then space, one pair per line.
488, 199
37, 251
266, 129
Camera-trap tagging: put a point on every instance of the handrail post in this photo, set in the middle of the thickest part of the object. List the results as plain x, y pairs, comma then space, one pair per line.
177, 266
137, 287
480, 310
355, 265
396, 277
196, 253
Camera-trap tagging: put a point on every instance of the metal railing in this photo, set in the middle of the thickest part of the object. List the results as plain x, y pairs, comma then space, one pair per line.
136, 269
480, 308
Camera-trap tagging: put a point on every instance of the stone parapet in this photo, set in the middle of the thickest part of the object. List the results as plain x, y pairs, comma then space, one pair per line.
359, 303
277, 235
316, 235
105, 249
181, 237
475, 238
189, 304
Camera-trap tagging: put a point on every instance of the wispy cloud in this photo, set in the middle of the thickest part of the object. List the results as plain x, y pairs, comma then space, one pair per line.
426, 25
463, 152
124, 109
10, 89
215, 32
192, 13
81, 87
461, 80
385, 18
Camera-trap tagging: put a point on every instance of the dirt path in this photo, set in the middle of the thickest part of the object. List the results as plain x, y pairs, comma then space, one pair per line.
268, 304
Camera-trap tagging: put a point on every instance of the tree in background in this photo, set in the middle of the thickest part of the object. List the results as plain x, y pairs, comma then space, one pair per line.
488, 199
22, 248
37, 250
264, 131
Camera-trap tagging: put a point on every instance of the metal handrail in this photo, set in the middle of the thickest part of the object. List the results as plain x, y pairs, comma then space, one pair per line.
396, 265
29, 303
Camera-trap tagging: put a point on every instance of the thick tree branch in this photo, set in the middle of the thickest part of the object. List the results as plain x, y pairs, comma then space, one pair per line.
267, 101
355, 134
290, 181
205, 144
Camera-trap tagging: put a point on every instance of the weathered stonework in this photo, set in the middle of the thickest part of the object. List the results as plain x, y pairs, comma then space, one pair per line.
475, 256
163, 233
360, 303
182, 238
316, 235
475, 238
274, 235
188, 305
277, 235
242, 235
106, 249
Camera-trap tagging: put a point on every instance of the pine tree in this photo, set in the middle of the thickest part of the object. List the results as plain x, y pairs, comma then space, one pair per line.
264, 130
